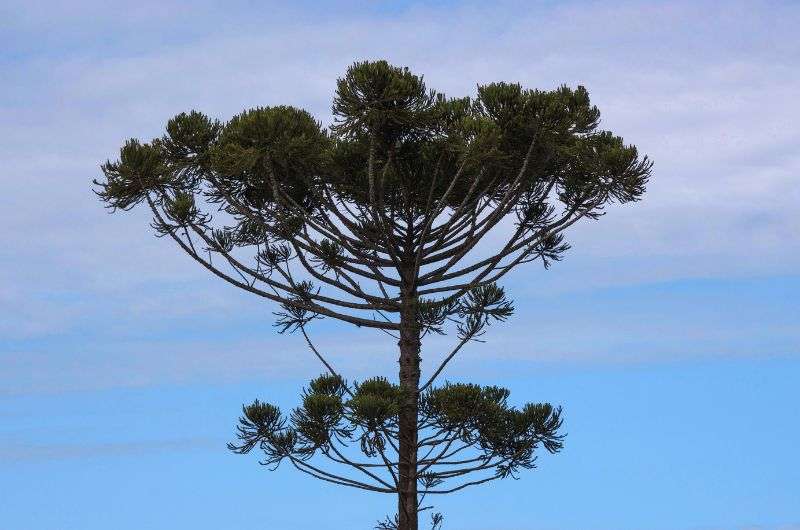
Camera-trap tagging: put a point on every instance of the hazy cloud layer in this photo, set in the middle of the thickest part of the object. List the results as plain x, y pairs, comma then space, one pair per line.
706, 89
20, 453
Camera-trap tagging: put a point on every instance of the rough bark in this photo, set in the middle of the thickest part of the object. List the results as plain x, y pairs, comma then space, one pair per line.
409, 381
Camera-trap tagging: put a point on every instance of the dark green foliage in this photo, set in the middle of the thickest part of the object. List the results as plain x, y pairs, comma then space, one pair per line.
140, 168
259, 421
293, 314
331, 256
479, 307
421, 141
481, 417
377, 97
265, 148
477, 420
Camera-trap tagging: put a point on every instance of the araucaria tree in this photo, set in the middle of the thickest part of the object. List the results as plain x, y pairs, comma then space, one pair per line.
377, 222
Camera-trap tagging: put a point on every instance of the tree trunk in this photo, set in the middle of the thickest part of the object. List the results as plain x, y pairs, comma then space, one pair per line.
409, 381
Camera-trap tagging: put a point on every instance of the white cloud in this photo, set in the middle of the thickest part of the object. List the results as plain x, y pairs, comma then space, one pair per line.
708, 90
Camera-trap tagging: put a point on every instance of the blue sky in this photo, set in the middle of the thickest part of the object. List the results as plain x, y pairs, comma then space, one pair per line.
669, 334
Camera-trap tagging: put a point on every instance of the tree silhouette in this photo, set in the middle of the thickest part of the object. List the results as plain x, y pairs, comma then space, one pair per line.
376, 222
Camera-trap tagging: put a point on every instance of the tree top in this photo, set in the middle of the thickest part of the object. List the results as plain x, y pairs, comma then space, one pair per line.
385, 117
